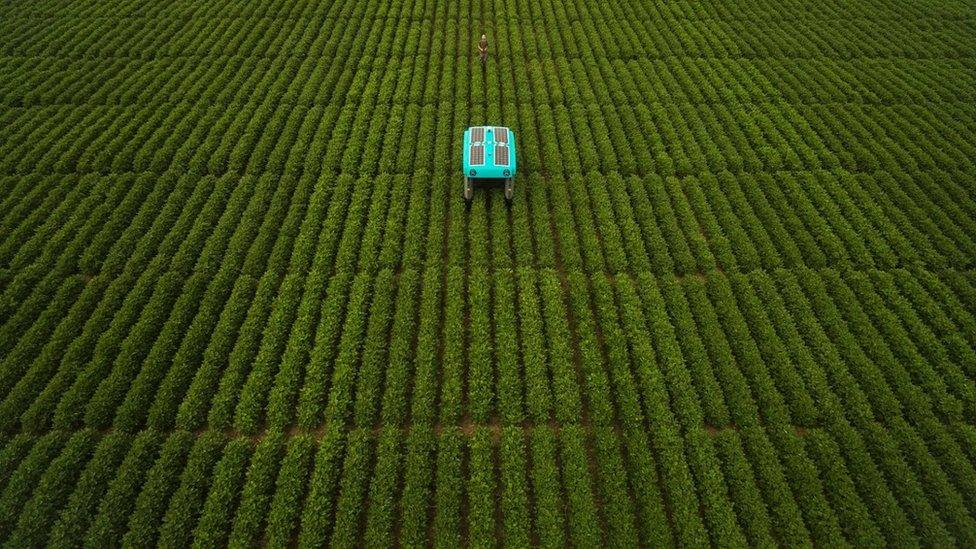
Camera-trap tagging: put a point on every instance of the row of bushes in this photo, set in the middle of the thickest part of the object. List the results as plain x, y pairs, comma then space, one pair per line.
936, 384
641, 135
630, 35
108, 488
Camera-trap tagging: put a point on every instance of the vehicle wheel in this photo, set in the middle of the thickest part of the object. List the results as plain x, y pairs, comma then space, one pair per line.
468, 192
509, 190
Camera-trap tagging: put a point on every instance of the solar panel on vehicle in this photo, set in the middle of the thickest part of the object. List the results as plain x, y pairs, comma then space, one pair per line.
501, 134
501, 154
477, 155
477, 134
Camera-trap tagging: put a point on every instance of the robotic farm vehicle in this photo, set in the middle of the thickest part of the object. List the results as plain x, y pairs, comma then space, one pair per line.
488, 156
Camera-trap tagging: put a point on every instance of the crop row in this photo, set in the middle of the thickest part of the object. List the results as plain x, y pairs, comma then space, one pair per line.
422, 73
898, 230
241, 301
654, 367
513, 482
292, 114
219, 322
683, 9
57, 246
286, 24
622, 133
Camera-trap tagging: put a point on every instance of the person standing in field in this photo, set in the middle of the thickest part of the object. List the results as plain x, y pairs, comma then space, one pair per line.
483, 49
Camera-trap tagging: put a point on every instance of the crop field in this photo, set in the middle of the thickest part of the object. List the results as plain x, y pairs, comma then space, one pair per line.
242, 302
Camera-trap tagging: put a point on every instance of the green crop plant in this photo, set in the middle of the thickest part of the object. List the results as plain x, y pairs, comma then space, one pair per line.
732, 303
222, 496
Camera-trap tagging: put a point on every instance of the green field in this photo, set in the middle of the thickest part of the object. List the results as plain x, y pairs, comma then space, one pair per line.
242, 302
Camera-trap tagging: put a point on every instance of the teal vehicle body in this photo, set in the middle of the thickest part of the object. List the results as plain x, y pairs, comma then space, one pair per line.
485, 154
488, 153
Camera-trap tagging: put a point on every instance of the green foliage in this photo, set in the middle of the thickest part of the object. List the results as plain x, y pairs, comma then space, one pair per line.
549, 510
14, 450
109, 524
318, 512
426, 362
162, 480
514, 487
480, 389
241, 303
743, 488
352, 490
218, 509
188, 500
481, 488
249, 520
382, 491
394, 404
584, 526
323, 352
449, 489
290, 490
859, 528
453, 355
52, 490
510, 386
415, 502
93, 484
25, 478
